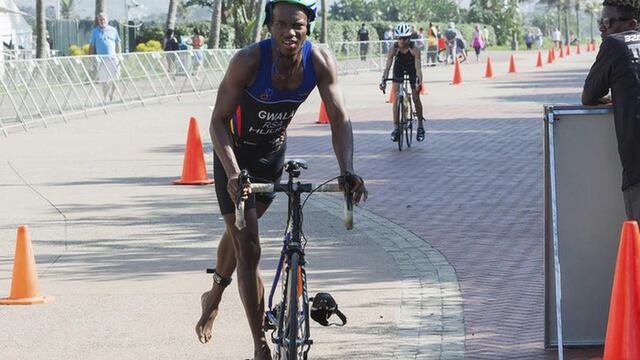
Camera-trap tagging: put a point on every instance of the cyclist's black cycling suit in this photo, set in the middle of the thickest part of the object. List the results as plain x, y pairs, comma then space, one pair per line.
404, 64
259, 127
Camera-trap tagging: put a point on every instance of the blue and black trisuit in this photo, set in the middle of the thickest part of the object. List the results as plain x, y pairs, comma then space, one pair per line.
259, 126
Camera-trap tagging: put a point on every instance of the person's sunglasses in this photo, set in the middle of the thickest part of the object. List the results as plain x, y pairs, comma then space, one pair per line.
606, 22
405, 38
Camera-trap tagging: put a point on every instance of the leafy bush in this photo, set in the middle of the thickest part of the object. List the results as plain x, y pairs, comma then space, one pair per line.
151, 45
76, 50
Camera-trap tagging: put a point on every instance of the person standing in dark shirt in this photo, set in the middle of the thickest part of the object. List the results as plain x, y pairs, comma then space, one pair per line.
617, 67
363, 36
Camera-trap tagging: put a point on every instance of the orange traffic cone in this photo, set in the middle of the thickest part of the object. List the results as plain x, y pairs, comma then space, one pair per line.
194, 170
488, 72
24, 283
561, 52
578, 49
322, 117
392, 97
512, 64
539, 62
553, 53
550, 57
623, 328
423, 89
457, 77
568, 50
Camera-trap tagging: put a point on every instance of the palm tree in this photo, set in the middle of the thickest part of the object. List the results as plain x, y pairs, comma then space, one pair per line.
323, 30
67, 8
101, 7
592, 7
171, 16
41, 28
257, 25
216, 17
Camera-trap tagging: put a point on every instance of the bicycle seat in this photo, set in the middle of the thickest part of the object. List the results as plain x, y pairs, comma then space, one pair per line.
295, 164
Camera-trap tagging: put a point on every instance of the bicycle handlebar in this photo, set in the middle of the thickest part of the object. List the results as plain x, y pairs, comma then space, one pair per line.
301, 187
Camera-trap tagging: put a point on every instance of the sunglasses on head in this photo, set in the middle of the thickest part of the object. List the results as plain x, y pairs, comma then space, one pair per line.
606, 22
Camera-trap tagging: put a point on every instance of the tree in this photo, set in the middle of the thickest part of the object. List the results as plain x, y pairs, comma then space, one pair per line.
68, 7
171, 14
41, 28
101, 8
257, 23
592, 8
214, 35
323, 30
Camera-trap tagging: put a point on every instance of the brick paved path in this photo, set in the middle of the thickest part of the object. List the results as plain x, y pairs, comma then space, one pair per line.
474, 190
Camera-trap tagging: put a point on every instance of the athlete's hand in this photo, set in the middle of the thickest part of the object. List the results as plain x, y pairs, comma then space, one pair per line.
382, 86
358, 189
233, 187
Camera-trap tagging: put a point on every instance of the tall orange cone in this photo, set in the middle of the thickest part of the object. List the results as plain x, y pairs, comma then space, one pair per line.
553, 53
578, 49
194, 170
24, 283
322, 117
539, 62
457, 77
512, 64
561, 52
392, 97
568, 52
488, 71
550, 57
623, 328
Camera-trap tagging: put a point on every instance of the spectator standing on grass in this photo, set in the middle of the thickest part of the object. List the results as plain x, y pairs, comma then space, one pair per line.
387, 36
477, 42
528, 39
363, 37
170, 43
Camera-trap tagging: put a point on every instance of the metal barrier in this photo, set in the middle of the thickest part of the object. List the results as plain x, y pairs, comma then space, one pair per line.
33, 91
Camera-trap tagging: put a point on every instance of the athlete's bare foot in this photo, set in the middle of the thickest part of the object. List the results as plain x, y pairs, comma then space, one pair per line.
205, 324
262, 353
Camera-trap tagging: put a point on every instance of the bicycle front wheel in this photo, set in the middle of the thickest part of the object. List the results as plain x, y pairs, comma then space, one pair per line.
293, 318
401, 121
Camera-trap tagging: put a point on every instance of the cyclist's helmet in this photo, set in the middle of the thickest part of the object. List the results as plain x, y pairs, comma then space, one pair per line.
310, 7
402, 30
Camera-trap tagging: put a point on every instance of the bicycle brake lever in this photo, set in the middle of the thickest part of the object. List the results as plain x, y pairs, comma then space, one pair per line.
242, 180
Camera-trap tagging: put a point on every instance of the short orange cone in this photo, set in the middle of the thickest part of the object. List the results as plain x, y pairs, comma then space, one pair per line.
194, 170
553, 54
561, 52
457, 77
550, 57
322, 118
423, 89
539, 62
623, 328
568, 52
488, 71
512, 64
24, 283
392, 97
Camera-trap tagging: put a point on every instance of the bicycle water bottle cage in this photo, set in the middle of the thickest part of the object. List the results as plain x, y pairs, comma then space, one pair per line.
293, 166
323, 307
218, 279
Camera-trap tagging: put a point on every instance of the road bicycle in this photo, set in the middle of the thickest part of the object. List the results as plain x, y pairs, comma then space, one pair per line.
288, 318
405, 110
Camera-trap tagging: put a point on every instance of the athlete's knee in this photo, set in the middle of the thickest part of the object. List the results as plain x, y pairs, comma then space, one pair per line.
247, 246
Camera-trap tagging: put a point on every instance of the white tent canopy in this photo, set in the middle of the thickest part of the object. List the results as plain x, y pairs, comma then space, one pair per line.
14, 29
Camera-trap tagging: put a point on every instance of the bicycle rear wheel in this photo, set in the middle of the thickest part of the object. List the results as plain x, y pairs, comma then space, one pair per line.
401, 121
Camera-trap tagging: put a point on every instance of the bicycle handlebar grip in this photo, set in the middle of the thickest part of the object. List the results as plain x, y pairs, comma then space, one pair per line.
240, 222
262, 188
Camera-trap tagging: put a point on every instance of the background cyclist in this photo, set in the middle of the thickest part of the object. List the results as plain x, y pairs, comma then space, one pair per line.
405, 57
263, 87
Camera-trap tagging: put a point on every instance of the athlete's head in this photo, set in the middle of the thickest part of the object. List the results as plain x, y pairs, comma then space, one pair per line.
402, 33
618, 16
290, 22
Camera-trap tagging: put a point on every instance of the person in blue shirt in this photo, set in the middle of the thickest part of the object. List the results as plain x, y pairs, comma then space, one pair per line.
105, 41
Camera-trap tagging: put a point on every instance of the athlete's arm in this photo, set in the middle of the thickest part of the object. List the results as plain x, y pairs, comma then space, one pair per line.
387, 66
341, 133
242, 68
418, 63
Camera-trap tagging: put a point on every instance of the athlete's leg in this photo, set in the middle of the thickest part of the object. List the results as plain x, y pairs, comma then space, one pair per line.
246, 244
415, 95
394, 133
225, 266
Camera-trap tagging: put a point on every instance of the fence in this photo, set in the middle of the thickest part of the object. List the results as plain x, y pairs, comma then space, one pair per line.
34, 91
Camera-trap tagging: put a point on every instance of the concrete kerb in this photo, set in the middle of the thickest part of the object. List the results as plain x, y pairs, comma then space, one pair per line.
431, 321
